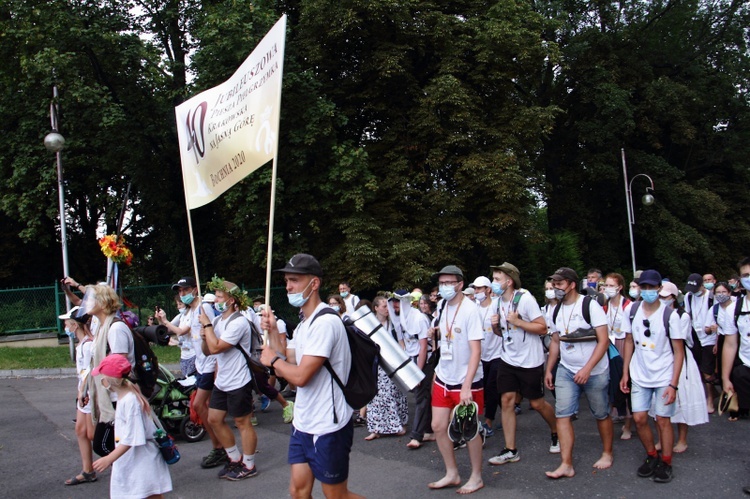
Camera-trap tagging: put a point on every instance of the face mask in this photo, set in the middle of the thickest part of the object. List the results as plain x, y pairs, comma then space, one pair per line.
447, 292
560, 294
187, 299
610, 292
733, 286
344, 294
745, 282
634, 293
722, 298
109, 387
221, 307
70, 334
497, 288
480, 296
181, 310
336, 308
709, 286
591, 284
298, 300
256, 309
698, 293
549, 294
649, 295
667, 302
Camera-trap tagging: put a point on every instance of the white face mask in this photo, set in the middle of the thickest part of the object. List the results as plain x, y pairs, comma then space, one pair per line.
610, 292
549, 294
480, 296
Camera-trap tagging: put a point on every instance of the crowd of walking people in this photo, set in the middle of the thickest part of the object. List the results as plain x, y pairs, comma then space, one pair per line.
640, 350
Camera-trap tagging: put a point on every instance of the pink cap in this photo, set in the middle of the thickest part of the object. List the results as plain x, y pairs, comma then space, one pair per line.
114, 366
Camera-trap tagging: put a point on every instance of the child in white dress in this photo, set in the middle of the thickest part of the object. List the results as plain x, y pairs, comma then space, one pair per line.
138, 469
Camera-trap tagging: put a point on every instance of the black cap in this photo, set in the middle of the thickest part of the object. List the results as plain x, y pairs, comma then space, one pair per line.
650, 278
302, 263
564, 274
184, 282
449, 270
694, 283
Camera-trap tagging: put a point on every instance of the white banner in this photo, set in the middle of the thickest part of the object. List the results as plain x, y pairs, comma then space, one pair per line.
232, 129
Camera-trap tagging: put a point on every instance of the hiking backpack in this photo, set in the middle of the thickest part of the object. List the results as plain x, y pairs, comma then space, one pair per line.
146, 367
362, 384
585, 310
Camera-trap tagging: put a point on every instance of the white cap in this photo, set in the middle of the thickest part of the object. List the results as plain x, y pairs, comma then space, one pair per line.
469, 291
209, 297
69, 315
482, 282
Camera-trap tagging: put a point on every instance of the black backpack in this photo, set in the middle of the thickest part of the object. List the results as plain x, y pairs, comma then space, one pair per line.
585, 310
146, 368
362, 385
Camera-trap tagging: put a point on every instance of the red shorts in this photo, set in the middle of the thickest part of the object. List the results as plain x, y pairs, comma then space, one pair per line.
449, 396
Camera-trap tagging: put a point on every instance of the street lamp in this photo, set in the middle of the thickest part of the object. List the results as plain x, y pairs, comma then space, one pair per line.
54, 142
647, 199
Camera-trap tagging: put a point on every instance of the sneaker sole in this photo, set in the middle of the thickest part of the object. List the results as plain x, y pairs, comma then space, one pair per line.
512, 460
662, 480
237, 479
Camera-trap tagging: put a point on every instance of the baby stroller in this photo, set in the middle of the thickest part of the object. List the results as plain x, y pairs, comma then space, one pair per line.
171, 404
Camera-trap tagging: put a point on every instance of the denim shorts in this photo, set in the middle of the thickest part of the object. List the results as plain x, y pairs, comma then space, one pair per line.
568, 392
327, 455
641, 398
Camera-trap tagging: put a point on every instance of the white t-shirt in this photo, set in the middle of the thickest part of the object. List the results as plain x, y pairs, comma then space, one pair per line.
614, 319
417, 328
314, 406
84, 352
459, 325
520, 348
723, 317
232, 371
120, 340
492, 344
699, 310
574, 356
742, 328
652, 363
351, 301
141, 471
204, 364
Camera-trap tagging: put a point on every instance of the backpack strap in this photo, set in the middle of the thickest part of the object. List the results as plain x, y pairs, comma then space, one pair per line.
633, 310
586, 309
716, 312
738, 309
556, 311
327, 363
516, 298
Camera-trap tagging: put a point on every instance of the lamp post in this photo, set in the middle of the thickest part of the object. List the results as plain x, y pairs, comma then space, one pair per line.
54, 142
648, 200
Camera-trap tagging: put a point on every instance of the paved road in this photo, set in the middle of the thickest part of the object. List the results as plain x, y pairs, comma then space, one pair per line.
38, 451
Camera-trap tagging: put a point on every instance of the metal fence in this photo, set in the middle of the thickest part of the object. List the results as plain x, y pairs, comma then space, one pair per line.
30, 310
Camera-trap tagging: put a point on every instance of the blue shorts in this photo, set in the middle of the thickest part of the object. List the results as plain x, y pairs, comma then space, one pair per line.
641, 398
567, 393
204, 381
327, 455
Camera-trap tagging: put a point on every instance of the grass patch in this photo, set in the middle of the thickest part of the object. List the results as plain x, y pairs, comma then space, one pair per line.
57, 357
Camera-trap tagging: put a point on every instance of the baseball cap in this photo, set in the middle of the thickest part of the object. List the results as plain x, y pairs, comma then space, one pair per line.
650, 277
669, 288
564, 273
113, 365
69, 314
512, 272
302, 263
449, 270
482, 282
694, 283
469, 291
209, 298
184, 282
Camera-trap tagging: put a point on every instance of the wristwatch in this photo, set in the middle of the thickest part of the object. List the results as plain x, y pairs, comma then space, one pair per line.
278, 356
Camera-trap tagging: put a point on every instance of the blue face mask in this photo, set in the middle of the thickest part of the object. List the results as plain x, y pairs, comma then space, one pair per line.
649, 295
298, 300
745, 281
221, 307
70, 334
336, 308
187, 299
344, 294
448, 292
634, 293
708, 285
497, 288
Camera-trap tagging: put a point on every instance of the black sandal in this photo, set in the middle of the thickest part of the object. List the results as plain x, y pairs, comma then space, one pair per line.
87, 477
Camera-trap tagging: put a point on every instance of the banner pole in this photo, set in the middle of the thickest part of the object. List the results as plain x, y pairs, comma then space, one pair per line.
192, 239
272, 210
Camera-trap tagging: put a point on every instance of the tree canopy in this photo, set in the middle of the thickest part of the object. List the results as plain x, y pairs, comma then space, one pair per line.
413, 134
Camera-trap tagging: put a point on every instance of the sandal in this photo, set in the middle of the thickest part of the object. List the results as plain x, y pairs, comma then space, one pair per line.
87, 477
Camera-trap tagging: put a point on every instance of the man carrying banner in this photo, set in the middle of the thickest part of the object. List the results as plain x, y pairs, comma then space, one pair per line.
323, 431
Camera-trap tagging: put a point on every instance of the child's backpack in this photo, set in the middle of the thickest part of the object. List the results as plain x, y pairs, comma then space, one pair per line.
146, 367
362, 385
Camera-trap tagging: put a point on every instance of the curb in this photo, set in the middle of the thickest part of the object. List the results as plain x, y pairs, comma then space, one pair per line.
58, 372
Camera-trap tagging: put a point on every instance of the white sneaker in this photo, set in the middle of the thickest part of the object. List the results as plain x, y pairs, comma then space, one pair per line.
554, 447
505, 456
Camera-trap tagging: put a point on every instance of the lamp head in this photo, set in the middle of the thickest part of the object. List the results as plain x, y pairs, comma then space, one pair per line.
54, 142
648, 199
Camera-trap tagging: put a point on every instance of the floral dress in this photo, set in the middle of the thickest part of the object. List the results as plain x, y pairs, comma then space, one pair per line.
388, 412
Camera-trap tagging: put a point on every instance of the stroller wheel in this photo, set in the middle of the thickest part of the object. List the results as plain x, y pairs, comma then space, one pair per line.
190, 431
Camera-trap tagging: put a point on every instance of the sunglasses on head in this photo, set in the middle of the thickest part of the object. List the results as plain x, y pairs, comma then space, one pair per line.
647, 324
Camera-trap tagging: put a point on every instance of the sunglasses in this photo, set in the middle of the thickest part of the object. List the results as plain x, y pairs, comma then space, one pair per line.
647, 324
